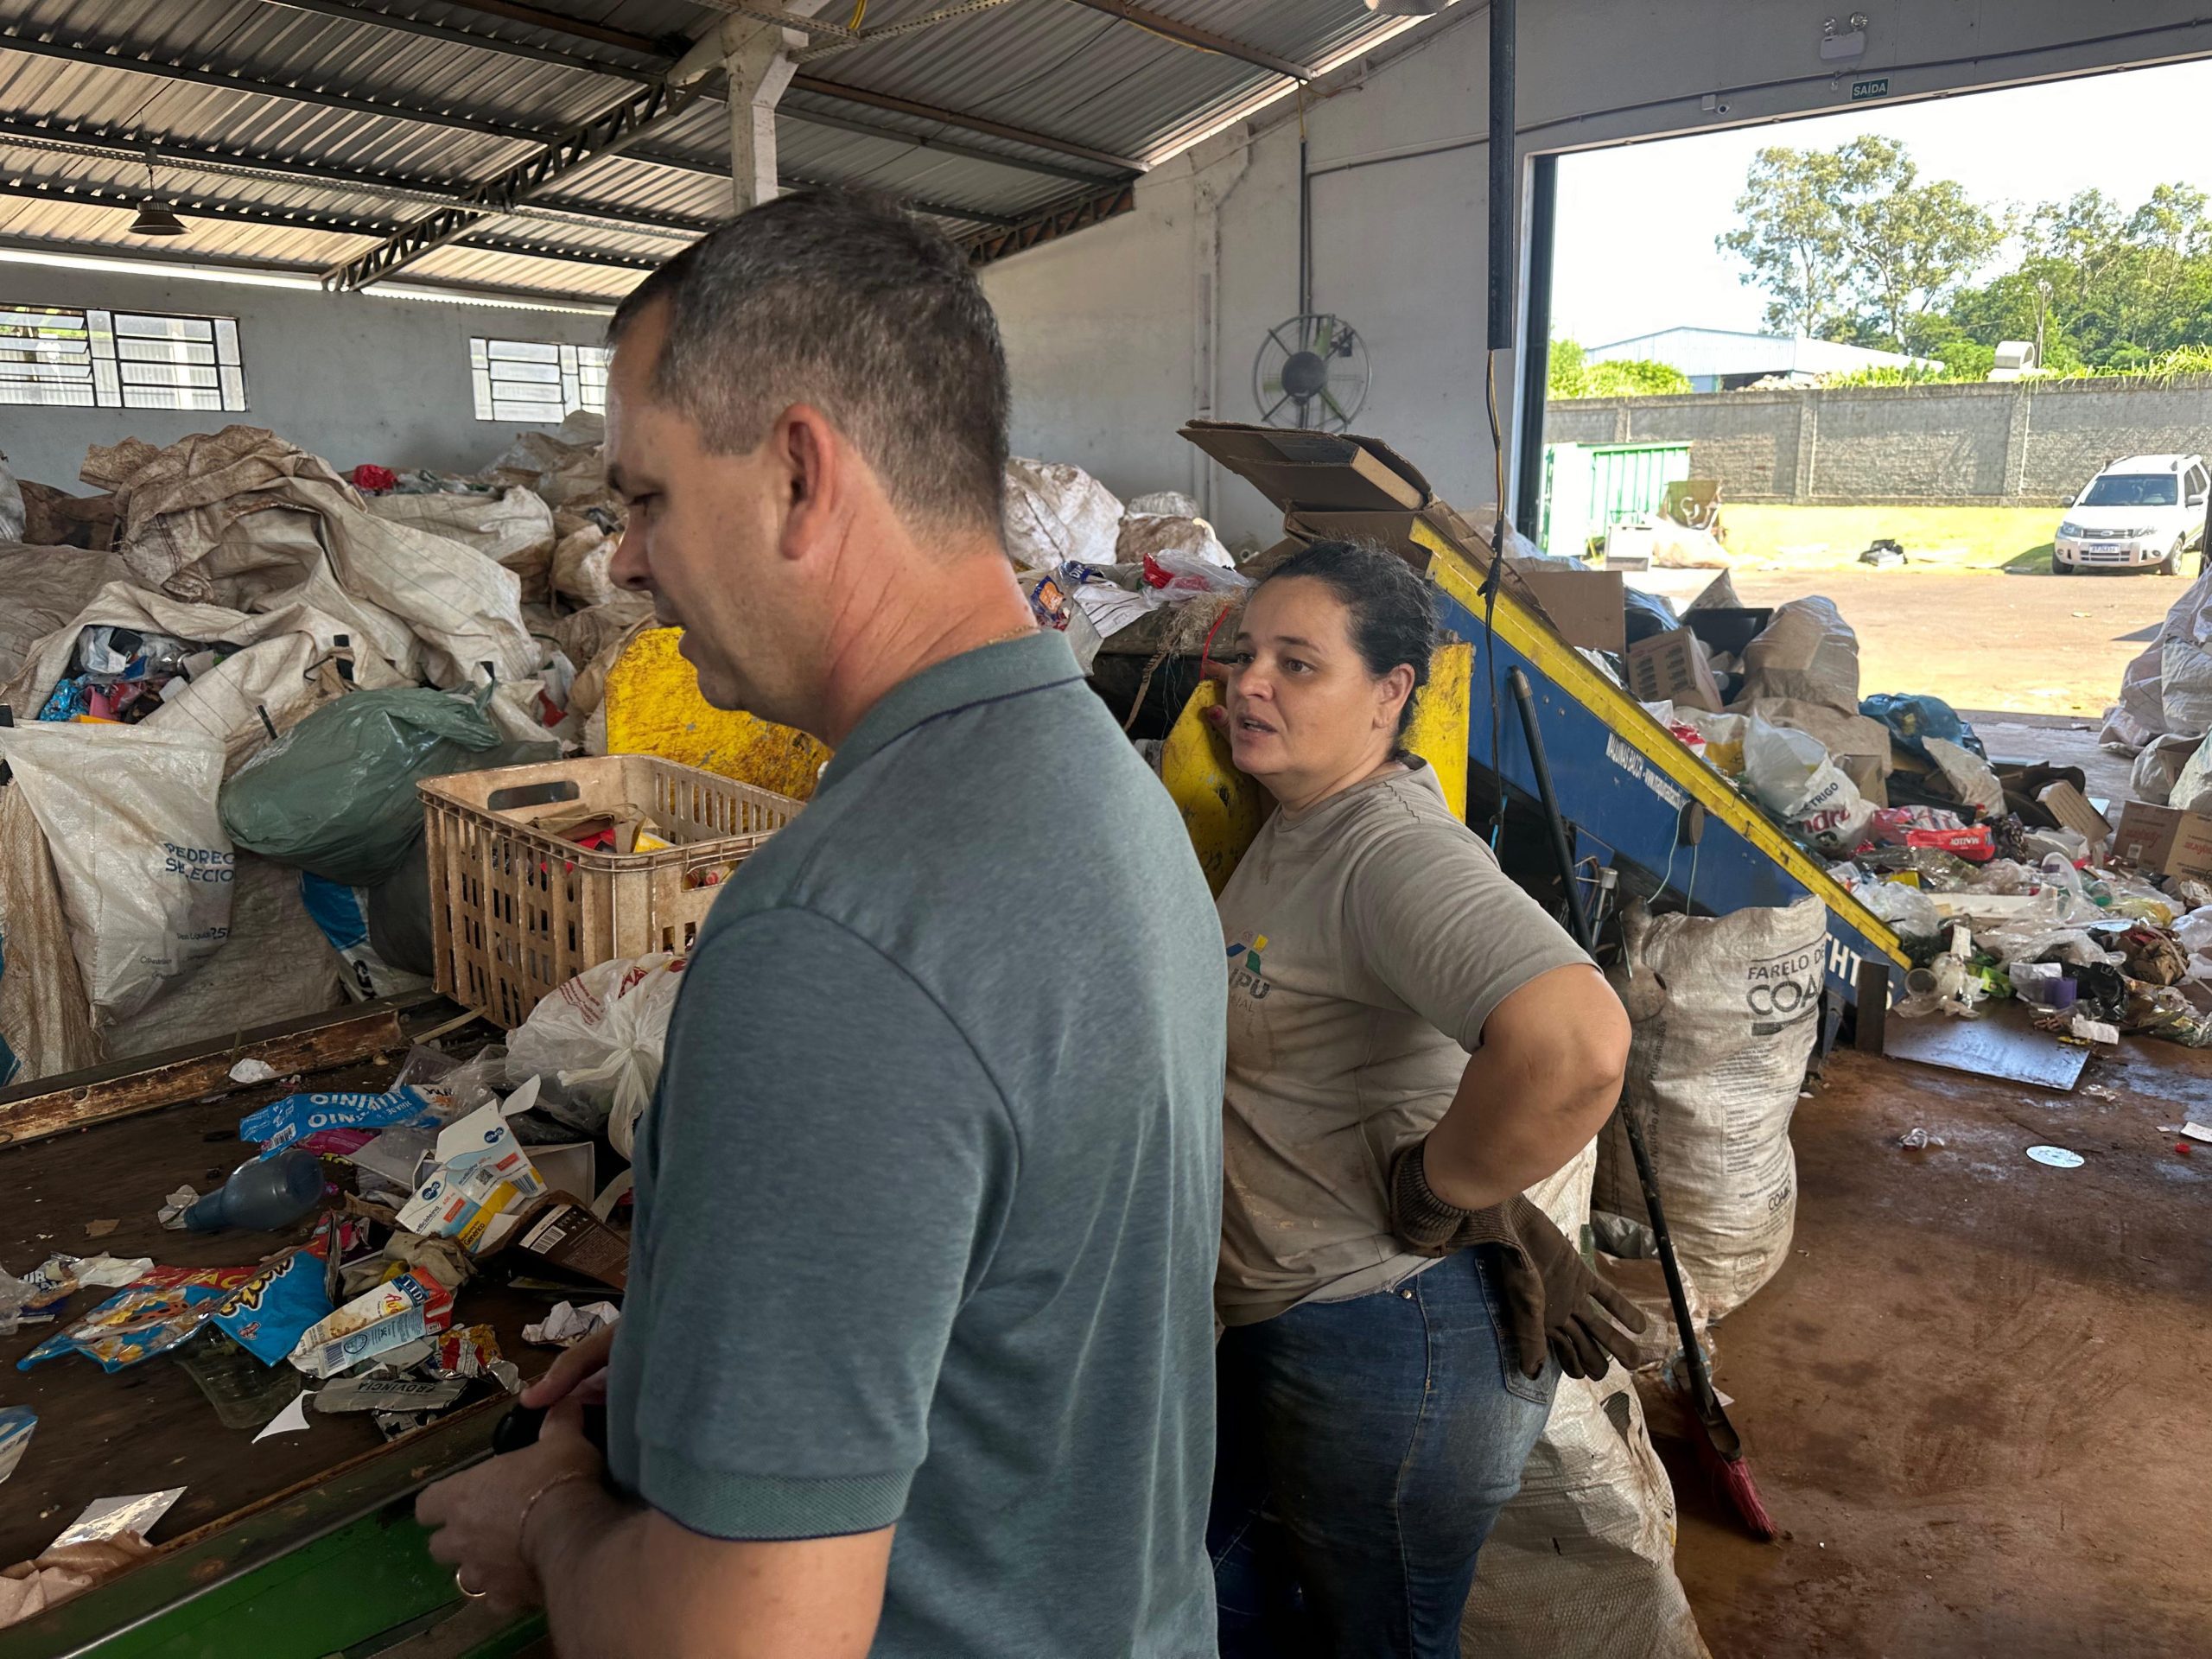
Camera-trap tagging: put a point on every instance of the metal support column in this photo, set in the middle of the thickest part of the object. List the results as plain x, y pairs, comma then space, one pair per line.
757, 58
1505, 174
1536, 346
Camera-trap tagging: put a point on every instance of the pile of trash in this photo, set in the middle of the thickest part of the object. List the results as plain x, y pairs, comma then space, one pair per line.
2164, 711
542, 509
403, 1205
1092, 566
2004, 881
273, 655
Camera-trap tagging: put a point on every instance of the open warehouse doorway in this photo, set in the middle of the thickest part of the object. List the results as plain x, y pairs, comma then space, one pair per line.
1935, 324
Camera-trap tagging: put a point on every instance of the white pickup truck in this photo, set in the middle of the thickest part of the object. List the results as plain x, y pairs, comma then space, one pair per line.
2147, 509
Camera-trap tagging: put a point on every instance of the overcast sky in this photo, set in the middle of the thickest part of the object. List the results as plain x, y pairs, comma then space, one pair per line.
1636, 225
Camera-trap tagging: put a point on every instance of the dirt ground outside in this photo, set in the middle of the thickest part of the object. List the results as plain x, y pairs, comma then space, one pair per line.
1978, 638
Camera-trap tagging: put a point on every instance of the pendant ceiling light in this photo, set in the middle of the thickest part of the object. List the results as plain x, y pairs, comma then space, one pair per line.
153, 219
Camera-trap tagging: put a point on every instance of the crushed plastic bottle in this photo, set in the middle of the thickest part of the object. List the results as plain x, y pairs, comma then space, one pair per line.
262, 1196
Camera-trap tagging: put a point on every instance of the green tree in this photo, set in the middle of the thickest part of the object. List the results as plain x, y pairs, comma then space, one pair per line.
1564, 369
2113, 289
1569, 373
1850, 243
1792, 236
1912, 245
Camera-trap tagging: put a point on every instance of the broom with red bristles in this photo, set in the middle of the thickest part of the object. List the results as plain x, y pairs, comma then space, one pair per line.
1722, 1448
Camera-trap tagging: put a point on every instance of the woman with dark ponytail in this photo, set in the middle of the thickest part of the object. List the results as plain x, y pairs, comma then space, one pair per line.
1411, 1042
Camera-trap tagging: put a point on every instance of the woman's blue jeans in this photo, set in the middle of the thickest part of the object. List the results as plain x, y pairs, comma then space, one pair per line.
1364, 1450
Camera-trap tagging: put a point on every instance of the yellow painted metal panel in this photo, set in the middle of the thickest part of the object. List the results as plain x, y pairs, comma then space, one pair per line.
653, 706
1223, 809
1572, 674
1437, 732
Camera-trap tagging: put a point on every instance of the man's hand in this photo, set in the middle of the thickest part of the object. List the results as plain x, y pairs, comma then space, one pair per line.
476, 1516
581, 1371
1544, 1287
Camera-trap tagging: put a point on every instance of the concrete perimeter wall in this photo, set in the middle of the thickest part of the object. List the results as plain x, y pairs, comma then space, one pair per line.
2016, 444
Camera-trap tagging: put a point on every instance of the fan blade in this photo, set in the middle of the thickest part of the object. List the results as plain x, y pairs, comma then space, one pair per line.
1272, 382
1334, 405
1269, 415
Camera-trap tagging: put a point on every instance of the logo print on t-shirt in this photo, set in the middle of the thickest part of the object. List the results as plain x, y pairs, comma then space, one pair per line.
1249, 947
1245, 975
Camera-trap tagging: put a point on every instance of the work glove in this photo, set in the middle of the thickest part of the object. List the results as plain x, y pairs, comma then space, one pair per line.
1553, 1302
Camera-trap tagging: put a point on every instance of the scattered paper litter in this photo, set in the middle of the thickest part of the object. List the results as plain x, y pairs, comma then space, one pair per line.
103, 1272
410, 1394
294, 1416
2097, 1091
567, 1325
111, 1518
175, 1205
101, 1229
1915, 1139
2196, 1131
2093, 1031
251, 1070
2056, 1157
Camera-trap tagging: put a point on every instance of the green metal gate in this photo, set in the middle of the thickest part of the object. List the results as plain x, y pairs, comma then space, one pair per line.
1588, 488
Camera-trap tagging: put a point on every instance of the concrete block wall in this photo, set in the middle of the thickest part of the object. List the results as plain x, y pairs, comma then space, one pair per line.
2021, 444
351, 377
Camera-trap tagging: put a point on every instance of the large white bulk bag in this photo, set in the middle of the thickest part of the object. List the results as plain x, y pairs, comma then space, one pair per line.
1725, 1012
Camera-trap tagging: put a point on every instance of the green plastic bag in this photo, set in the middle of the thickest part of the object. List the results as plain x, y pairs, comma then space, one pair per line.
335, 795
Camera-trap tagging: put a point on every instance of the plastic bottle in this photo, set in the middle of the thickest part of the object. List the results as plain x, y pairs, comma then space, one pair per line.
244, 1392
264, 1195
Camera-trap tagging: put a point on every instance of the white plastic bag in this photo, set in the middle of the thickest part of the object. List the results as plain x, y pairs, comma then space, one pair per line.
1152, 533
600, 1037
1724, 1012
1969, 775
1582, 1560
1911, 913
1056, 512
1790, 773
2192, 786
145, 868
512, 526
2159, 767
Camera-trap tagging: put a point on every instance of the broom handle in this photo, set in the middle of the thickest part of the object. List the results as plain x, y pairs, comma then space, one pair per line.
1579, 921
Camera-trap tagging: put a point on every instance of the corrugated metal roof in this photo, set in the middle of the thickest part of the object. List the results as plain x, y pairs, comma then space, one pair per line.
288, 94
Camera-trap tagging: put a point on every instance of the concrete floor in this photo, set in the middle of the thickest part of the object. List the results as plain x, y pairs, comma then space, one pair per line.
1975, 1398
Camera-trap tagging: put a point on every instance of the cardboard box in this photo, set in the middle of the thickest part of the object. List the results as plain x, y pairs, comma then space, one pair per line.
1585, 607
1328, 472
2163, 839
1670, 666
561, 1233
2072, 809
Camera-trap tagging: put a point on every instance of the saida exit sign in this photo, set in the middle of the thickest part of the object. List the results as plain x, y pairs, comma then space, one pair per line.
1861, 89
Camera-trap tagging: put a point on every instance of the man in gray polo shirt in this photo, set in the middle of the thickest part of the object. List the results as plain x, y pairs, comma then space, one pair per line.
916, 1358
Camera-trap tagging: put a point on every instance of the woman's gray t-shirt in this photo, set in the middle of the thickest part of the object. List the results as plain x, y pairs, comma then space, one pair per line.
1369, 937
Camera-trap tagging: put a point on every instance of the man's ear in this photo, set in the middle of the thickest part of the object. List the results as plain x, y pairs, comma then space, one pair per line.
812, 464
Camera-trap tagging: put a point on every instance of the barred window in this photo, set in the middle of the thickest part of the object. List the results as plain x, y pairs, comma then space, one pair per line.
537, 379
56, 357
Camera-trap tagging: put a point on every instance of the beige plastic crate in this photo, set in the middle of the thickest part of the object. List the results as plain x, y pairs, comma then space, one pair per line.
516, 911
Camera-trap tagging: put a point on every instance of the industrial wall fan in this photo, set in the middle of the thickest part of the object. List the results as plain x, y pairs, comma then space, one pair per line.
1311, 373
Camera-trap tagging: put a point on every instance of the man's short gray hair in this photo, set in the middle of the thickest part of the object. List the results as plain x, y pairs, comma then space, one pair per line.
846, 302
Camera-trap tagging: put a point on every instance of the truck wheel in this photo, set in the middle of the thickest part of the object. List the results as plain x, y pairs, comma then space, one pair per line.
2059, 568
2171, 565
